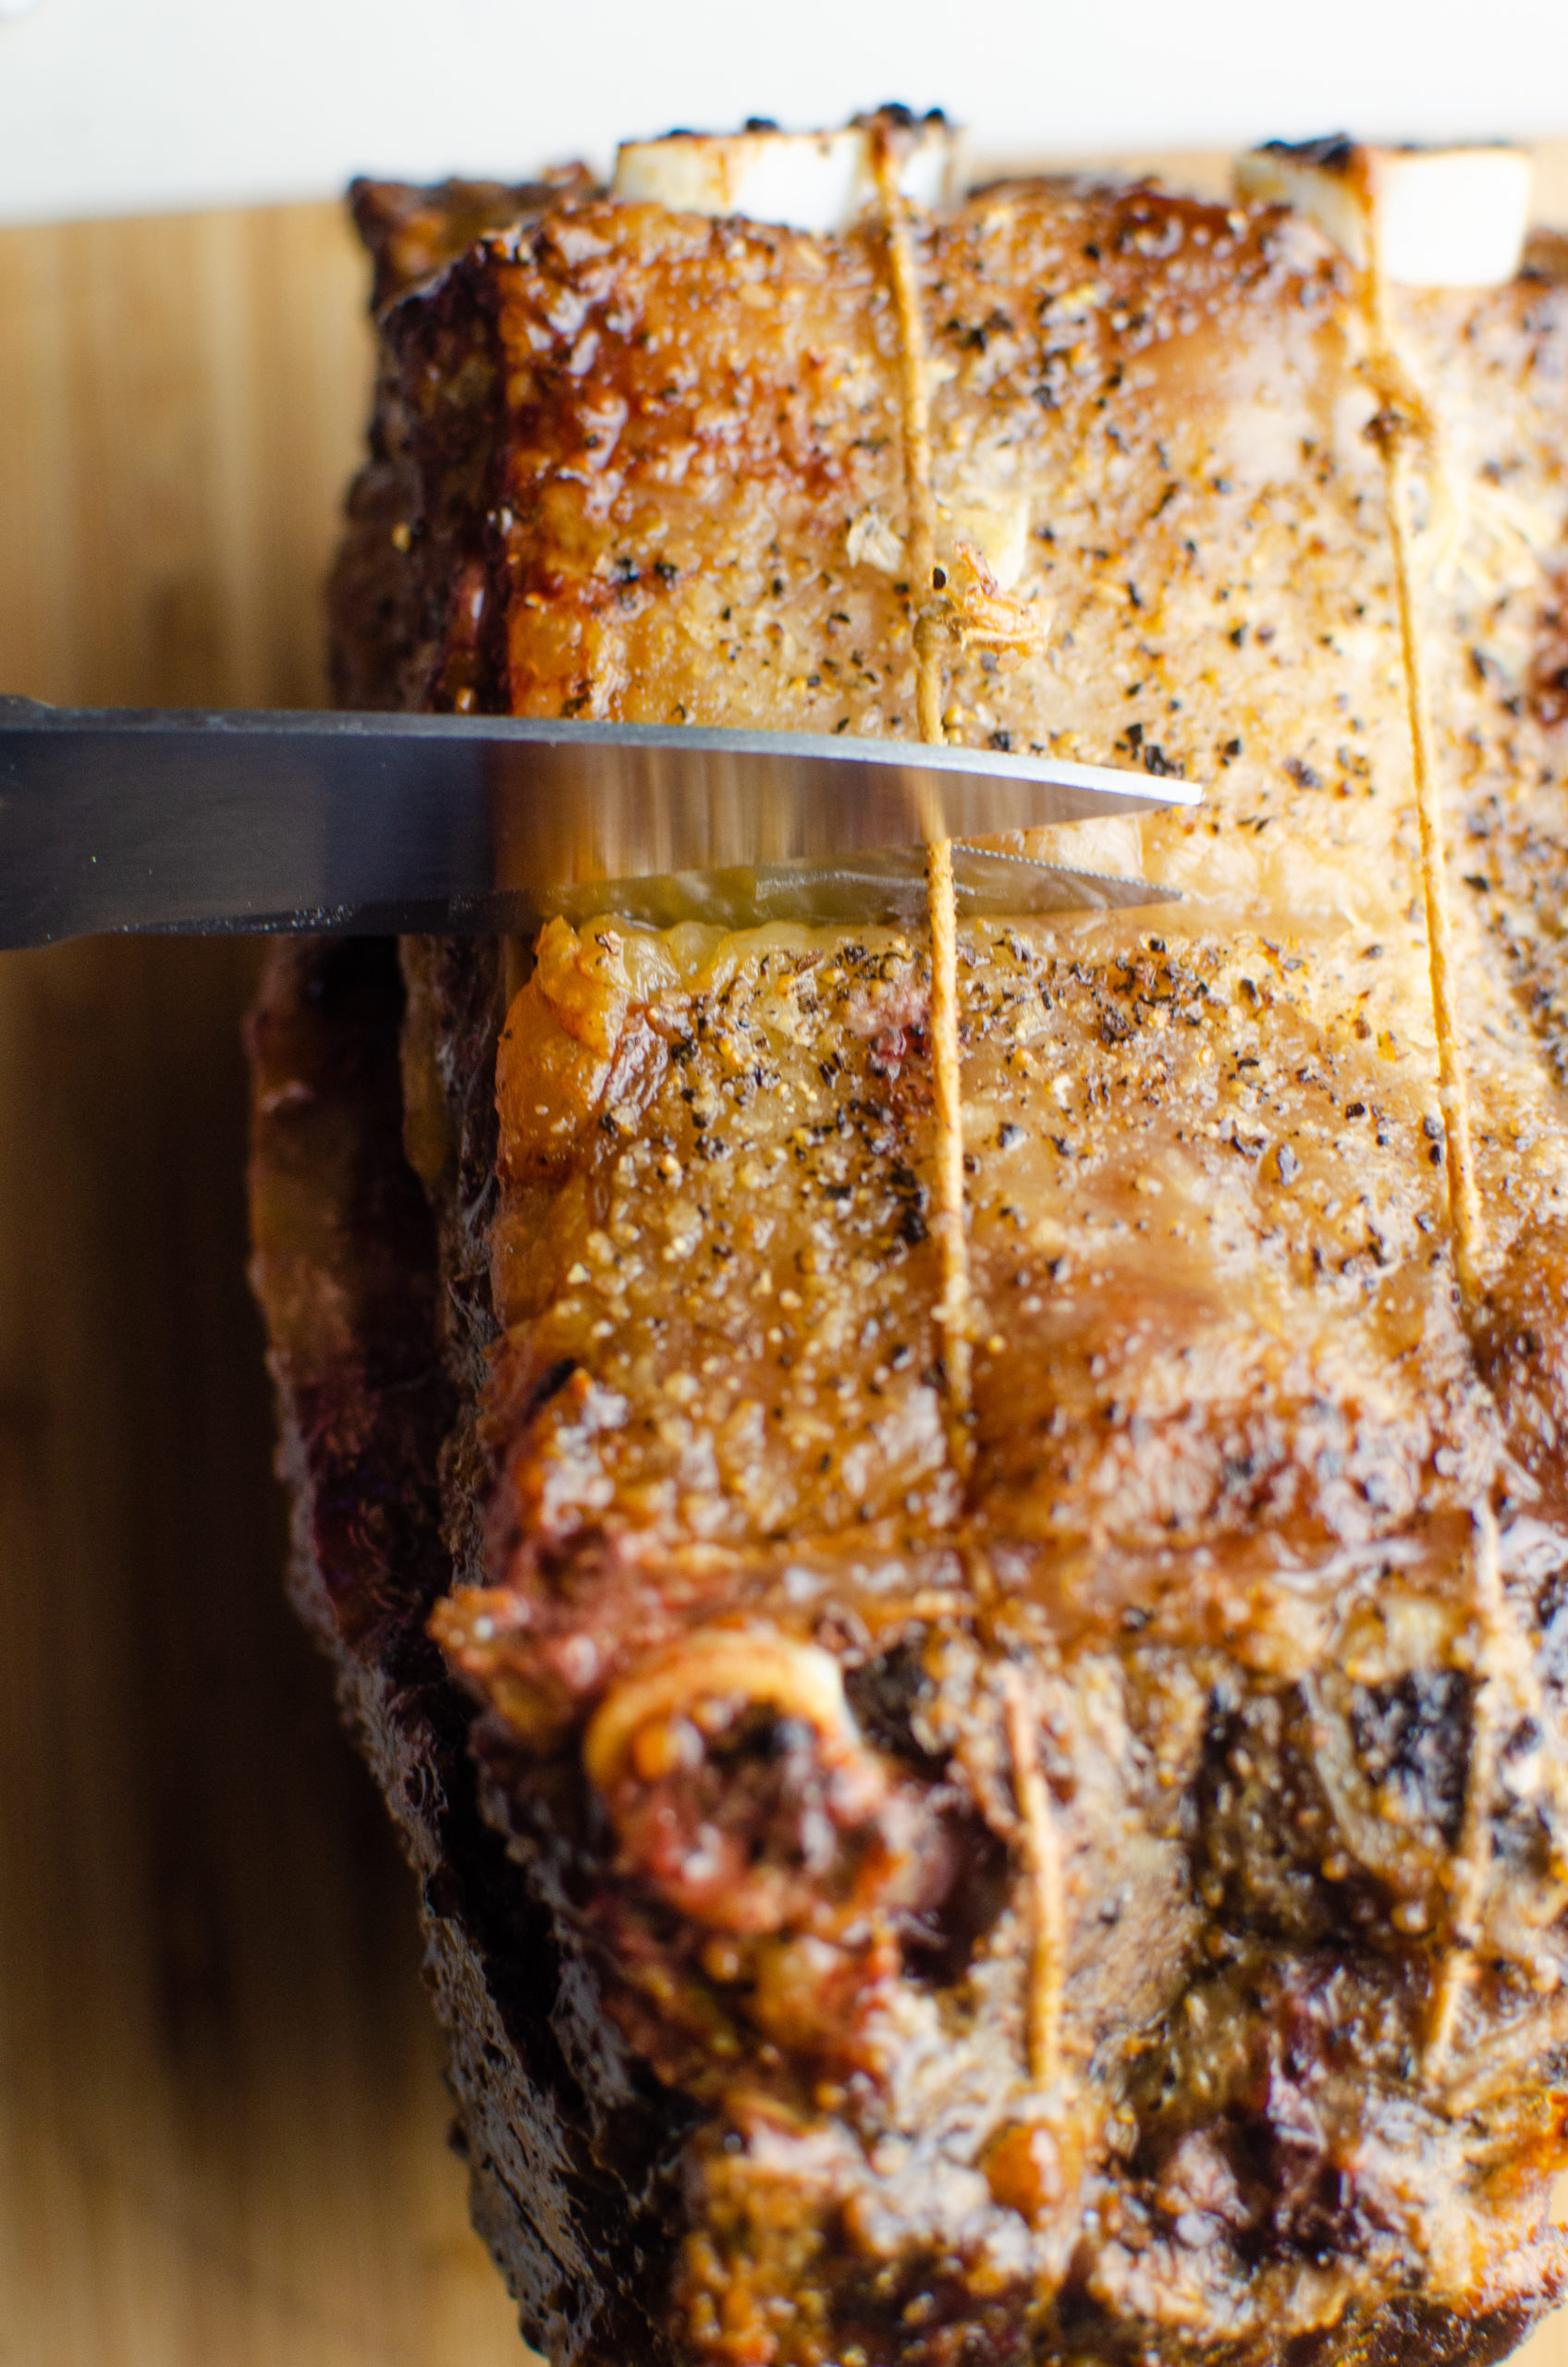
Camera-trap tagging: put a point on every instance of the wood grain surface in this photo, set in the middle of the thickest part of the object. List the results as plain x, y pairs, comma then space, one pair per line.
222, 2122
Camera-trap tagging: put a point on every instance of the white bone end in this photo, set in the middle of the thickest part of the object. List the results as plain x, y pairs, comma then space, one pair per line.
1446, 217
819, 181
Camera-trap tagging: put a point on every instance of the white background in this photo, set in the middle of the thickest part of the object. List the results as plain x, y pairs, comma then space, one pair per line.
112, 106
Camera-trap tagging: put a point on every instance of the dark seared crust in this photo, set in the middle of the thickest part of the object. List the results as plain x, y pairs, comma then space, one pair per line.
1415, 2330
391, 602
375, 651
411, 231
569, 2177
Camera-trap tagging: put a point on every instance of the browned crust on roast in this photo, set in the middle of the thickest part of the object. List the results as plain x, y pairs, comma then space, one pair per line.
389, 611
569, 2169
618, 456
364, 1412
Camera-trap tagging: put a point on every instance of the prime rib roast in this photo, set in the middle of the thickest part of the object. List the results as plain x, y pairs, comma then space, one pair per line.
1088, 1882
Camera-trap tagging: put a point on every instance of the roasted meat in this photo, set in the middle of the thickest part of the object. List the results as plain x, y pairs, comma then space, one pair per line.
1084, 1874
381, 631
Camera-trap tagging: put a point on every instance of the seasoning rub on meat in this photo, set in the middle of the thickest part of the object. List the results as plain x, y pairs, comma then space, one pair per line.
1071, 1867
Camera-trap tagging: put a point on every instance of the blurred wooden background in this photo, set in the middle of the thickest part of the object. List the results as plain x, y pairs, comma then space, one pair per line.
222, 2122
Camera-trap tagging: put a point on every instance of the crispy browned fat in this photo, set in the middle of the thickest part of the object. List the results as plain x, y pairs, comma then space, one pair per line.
1099, 1894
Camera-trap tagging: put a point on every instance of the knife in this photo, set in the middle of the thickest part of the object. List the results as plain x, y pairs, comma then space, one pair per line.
183, 821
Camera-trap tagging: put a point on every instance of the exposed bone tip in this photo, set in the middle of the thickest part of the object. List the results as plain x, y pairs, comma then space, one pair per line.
1444, 217
819, 181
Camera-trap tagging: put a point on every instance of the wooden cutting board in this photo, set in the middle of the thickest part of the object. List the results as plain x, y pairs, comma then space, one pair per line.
222, 2122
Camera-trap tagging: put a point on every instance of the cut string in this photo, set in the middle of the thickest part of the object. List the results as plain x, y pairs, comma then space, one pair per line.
1474, 1856
930, 625
1042, 1861
953, 1313
980, 614
1403, 421
1507, 1690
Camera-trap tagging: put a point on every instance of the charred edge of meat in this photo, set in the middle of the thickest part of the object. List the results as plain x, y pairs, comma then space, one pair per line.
1270, 1853
411, 232
360, 1446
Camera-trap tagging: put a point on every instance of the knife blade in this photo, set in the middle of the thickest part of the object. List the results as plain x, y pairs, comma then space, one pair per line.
187, 821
